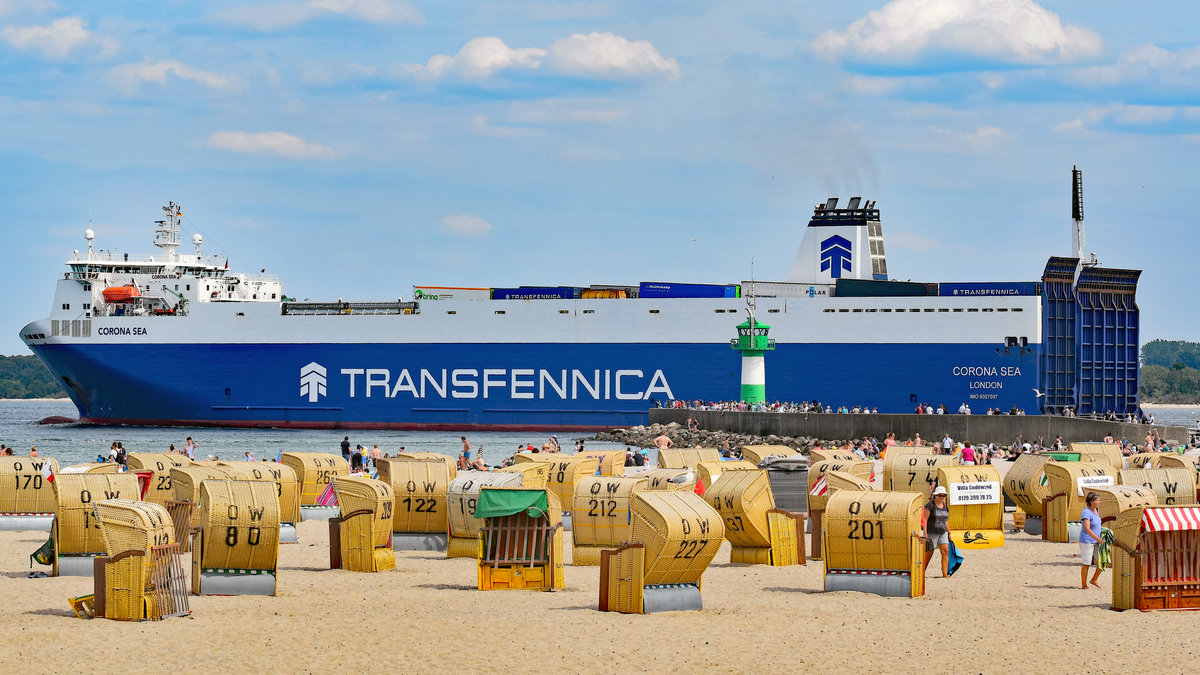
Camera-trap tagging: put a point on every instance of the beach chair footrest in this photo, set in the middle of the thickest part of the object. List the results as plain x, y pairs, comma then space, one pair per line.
318, 512
76, 565
887, 584
671, 598
236, 582
418, 541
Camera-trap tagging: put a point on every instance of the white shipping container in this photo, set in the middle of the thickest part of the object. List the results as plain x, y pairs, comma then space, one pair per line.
450, 293
785, 289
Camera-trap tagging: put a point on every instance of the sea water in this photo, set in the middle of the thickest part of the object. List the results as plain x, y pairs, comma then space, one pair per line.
74, 443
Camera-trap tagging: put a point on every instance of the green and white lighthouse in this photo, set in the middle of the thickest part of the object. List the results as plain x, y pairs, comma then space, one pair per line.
753, 343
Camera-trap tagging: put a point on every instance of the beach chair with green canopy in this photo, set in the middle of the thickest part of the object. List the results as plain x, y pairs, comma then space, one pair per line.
520, 542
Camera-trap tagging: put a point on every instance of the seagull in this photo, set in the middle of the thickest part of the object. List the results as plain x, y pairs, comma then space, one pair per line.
686, 478
693, 240
1037, 394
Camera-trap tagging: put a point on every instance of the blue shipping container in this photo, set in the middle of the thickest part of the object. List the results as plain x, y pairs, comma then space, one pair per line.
990, 288
666, 289
534, 293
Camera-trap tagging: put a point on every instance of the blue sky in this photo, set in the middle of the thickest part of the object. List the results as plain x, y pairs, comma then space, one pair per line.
359, 147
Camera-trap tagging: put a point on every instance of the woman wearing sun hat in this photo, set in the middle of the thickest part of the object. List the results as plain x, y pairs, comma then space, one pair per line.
936, 518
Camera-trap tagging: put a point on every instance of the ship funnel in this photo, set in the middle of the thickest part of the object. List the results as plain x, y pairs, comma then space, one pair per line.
841, 244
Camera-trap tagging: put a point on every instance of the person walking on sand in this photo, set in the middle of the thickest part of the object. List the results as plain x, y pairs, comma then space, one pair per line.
346, 449
937, 529
1089, 540
663, 441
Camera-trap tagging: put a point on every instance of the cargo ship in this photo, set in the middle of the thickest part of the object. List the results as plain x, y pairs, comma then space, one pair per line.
178, 338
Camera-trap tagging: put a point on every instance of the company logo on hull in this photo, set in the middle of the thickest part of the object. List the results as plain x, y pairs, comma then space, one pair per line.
473, 383
835, 256
312, 381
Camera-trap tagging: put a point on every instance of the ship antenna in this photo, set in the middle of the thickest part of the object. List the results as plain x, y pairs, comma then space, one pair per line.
751, 302
166, 236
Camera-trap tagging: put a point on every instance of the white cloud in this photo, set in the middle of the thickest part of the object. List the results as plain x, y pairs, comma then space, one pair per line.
481, 126
128, 78
277, 143
1147, 63
1139, 115
1074, 125
874, 86
478, 59
592, 55
465, 225
1007, 31
59, 39
36, 6
606, 55
982, 138
557, 111
278, 15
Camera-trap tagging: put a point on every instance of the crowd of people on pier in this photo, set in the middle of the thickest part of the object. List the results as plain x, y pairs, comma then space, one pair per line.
815, 406
776, 406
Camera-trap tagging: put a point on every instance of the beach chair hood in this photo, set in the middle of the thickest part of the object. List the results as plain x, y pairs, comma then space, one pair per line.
497, 503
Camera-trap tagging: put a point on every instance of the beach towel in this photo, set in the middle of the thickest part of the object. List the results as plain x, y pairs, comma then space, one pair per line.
328, 497
1104, 551
44, 555
955, 559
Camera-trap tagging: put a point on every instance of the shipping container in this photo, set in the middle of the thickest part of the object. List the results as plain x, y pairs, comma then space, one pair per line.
865, 288
667, 289
784, 289
534, 293
450, 293
629, 291
990, 288
602, 293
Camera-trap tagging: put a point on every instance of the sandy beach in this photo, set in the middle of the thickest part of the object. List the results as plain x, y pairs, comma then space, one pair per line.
1014, 609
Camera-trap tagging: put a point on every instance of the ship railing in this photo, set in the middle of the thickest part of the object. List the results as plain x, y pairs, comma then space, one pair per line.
265, 278
180, 258
360, 308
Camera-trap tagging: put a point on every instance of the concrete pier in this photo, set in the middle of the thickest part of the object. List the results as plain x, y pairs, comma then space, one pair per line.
1000, 429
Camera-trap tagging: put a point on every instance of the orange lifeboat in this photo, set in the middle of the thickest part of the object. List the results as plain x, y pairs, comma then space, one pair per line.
116, 294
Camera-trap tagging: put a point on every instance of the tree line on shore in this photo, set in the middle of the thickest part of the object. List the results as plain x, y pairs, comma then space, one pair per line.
26, 377
1170, 374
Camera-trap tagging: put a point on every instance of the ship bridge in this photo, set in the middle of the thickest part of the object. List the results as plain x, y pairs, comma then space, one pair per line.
102, 283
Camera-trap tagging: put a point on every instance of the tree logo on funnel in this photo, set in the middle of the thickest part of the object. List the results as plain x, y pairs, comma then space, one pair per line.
835, 256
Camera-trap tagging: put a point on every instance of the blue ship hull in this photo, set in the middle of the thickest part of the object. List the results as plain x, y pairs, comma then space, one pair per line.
510, 386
